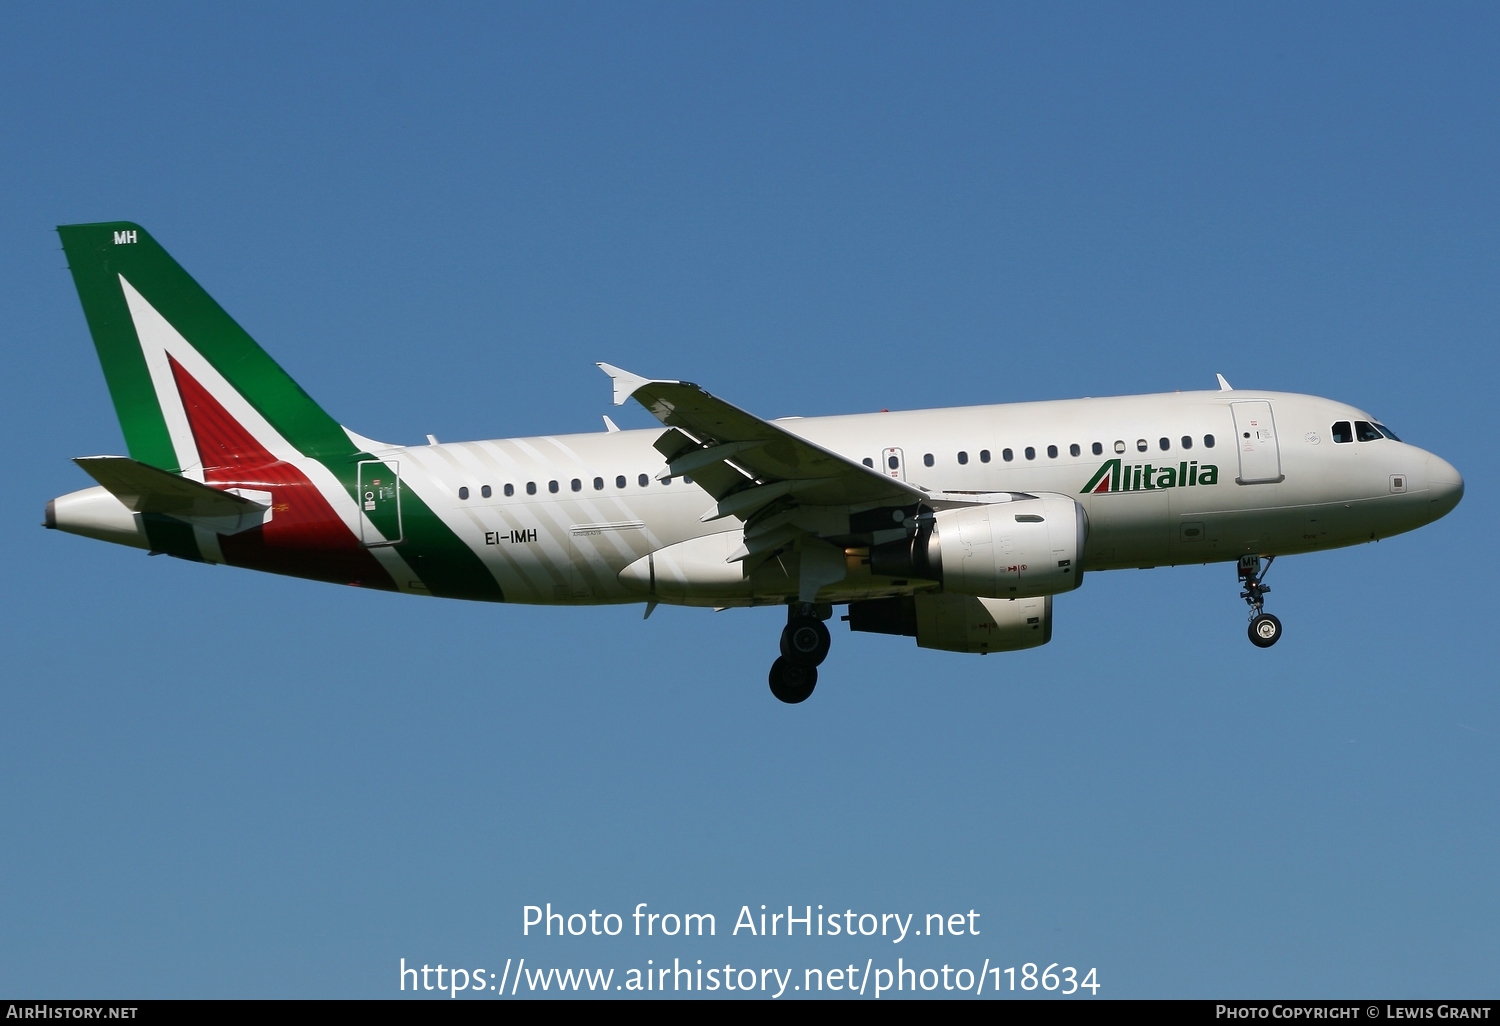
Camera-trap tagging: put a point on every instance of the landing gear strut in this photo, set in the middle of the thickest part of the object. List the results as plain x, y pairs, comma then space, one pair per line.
1265, 629
804, 645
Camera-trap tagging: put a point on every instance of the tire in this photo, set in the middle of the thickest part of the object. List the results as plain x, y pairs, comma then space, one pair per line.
805, 641
792, 683
1265, 631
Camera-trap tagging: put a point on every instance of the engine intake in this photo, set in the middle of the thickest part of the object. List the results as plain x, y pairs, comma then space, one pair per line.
1015, 549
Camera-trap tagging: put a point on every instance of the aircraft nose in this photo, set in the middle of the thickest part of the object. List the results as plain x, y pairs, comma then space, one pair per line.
1445, 485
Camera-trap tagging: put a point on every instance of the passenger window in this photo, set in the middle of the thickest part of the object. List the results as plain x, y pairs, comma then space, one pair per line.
552, 487
984, 455
894, 463
686, 479
1140, 445
666, 480
463, 493
510, 490
927, 460
868, 462
1365, 431
620, 481
1164, 443
1187, 441
1007, 455
598, 484
1030, 453
1342, 432
1073, 449
1052, 452
485, 491
577, 485
1208, 441
963, 459
1119, 445
1098, 448
530, 487
643, 480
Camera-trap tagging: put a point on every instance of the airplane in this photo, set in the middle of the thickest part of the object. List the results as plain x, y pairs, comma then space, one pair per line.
956, 527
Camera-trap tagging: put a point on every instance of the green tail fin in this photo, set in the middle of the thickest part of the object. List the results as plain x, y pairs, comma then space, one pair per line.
142, 309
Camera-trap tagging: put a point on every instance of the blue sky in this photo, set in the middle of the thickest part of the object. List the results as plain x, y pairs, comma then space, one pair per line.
437, 217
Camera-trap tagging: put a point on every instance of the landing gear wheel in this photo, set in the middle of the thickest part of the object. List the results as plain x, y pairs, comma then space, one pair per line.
805, 641
1265, 631
792, 683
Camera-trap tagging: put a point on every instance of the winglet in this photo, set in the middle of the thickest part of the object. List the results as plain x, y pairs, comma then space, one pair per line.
1224, 386
610, 426
625, 382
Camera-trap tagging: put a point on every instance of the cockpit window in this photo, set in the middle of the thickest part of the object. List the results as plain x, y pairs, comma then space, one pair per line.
1342, 432
1365, 432
1386, 431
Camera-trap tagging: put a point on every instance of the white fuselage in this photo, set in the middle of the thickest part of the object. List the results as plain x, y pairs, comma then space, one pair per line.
578, 521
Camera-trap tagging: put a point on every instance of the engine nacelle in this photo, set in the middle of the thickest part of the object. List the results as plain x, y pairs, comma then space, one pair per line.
1025, 547
958, 623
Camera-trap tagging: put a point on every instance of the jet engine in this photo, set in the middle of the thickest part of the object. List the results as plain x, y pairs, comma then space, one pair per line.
1025, 547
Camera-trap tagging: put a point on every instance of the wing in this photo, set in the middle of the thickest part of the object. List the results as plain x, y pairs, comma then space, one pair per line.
787, 490
147, 489
747, 463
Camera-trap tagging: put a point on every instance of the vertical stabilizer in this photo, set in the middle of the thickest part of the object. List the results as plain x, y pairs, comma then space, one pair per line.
197, 397
146, 314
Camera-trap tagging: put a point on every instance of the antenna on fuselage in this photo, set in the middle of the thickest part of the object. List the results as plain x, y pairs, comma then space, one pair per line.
1224, 386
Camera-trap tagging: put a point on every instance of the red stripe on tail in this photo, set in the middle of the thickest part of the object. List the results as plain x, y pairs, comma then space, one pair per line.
304, 537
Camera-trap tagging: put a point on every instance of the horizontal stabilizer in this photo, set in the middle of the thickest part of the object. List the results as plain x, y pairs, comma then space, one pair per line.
147, 489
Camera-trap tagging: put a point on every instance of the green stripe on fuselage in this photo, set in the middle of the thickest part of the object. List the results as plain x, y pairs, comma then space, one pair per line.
448, 567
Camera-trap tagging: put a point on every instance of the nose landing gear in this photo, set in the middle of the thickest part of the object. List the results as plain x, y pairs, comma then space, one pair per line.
1265, 629
804, 645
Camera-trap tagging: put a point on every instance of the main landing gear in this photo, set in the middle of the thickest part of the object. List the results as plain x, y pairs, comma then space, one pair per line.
804, 645
1265, 629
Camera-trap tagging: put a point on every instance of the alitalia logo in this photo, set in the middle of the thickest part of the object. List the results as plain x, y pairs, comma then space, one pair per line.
1113, 477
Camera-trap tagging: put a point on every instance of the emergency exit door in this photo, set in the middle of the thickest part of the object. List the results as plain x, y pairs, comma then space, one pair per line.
893, 464
379, 503
1255, 431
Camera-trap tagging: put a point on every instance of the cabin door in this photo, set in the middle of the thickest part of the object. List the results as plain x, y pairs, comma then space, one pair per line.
379, 503
1255, 431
